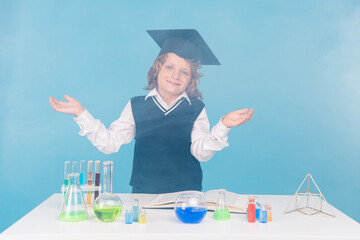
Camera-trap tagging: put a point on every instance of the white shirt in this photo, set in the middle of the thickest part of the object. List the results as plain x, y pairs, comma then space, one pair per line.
204, 143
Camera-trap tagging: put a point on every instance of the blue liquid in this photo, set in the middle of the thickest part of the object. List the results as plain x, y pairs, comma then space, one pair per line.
257, 212
136, 213
263, 216
128, 218
82, 178
190, 214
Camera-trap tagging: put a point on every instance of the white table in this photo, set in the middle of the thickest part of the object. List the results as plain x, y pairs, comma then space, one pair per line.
43, 223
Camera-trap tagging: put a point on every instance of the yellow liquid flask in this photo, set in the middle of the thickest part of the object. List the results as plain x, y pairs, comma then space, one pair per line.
221, 211
73, 208
107, 207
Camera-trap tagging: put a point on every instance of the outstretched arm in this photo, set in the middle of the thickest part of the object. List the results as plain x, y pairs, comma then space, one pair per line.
73, 106
204, 143
121, 131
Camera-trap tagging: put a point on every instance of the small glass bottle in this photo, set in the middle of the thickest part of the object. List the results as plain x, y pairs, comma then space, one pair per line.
269, 212
136, 210
251, 209
221, 211
257, 209
128, 216
142, 216
107, 207
263, 214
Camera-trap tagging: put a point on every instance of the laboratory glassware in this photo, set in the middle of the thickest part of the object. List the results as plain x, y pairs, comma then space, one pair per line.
97, 177
75, 167
142, 216
107, 207
128, 216
263, 214
90, 180
221, 211
269, 212
251, 209
83, 171
190, 207
73, 208
136, 210
66, 176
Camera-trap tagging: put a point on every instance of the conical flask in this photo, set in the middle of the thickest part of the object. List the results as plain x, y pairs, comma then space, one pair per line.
221, 211
107, 206
73, 208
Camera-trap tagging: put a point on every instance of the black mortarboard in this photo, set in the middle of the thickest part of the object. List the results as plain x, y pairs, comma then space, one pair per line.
186, 43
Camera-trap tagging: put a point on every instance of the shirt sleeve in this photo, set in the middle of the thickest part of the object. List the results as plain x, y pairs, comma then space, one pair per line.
121, 131
204, 143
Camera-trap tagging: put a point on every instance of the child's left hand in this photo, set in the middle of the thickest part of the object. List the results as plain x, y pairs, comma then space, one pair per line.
236, 118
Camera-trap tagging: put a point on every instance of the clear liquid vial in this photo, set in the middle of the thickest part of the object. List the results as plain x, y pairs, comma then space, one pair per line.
221, 211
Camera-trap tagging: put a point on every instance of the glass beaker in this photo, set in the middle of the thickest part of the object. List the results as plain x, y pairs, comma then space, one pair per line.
221, 211
73, 208
107, 206
190, 207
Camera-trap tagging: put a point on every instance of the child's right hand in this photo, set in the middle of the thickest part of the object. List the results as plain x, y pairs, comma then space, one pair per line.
73, 106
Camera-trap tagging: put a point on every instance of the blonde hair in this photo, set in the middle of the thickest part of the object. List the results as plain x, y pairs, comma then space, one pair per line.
191, 89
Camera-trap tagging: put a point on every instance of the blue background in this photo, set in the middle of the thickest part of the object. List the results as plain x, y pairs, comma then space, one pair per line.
296, 62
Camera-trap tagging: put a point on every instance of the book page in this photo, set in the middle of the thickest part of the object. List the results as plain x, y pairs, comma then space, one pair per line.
167, 199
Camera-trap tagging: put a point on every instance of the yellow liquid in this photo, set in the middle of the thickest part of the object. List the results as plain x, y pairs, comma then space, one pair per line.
142, 219
269, 216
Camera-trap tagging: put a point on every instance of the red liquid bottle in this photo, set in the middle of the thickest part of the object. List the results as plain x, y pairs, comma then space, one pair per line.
251, 209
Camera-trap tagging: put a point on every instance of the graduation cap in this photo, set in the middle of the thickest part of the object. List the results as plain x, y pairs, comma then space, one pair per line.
186, 43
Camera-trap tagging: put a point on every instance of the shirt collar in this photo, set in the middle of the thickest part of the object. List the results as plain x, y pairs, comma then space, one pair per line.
154, 92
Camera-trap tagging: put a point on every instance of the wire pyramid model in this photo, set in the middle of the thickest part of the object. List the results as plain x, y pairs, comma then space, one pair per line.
309, 202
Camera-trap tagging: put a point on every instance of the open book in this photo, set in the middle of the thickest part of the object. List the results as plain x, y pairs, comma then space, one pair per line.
236, 202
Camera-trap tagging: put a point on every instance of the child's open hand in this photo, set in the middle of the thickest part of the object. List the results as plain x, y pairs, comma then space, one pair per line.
236, 118
73, 106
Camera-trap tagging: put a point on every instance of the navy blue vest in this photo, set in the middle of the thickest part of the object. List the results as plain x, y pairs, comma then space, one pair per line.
162, 158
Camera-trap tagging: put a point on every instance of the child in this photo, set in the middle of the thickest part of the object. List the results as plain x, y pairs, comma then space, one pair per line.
170, 125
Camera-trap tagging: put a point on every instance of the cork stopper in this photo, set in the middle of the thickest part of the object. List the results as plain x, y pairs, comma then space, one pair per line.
268, 207
251, 198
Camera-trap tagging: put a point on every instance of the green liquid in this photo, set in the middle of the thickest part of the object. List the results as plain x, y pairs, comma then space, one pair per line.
108, 213
222, 214
73, 216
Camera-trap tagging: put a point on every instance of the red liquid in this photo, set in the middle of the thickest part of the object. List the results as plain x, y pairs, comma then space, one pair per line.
97, 183
251, 212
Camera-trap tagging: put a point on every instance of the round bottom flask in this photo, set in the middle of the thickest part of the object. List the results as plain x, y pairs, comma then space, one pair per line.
107, 207
190, 208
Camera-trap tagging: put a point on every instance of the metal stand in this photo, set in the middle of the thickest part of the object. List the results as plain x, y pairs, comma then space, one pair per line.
308, 202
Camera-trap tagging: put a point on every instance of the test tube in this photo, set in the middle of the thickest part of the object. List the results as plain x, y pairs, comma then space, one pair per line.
90, 179
97, 177
83, 172
75, 167
66, 175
